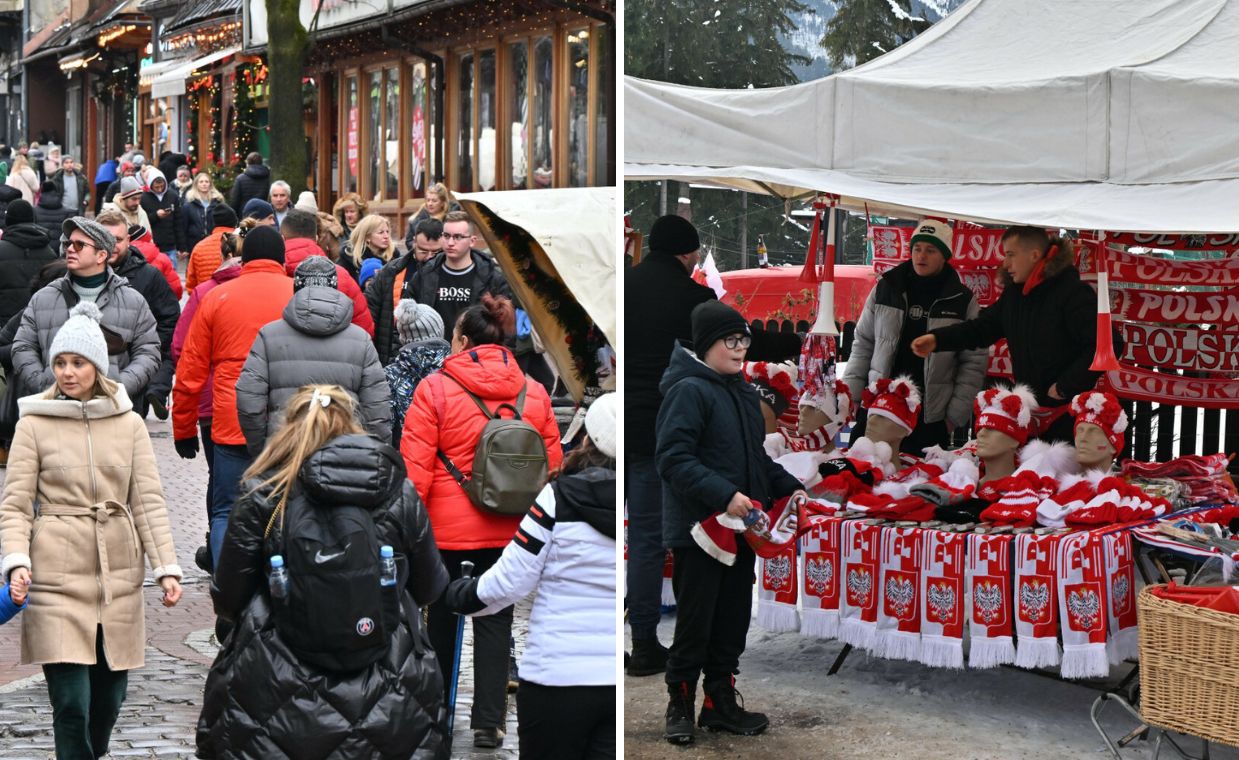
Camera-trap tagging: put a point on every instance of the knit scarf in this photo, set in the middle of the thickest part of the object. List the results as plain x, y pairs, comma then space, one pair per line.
1036, 619
989, 580
776, 592
819, 547
899, 618
862, 547
1082, 605
942, 597
668, 595
1121, 590
89, 281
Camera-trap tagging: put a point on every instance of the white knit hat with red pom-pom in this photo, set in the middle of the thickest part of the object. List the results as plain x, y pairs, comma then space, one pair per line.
897, 400
1006, 410
1103, 410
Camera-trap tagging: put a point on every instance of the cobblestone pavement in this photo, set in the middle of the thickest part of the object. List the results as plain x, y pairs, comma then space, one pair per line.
165, 697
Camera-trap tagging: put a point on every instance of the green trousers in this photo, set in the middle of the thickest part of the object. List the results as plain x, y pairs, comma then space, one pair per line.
85, 702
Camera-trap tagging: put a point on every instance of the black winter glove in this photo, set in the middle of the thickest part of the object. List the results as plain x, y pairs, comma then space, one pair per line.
461, 596
187, 448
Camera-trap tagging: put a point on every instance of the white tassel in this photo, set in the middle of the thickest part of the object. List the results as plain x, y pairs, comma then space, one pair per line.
777, 618
1123, 645
858, 633
942, 652
1085, 661
668, 596
1038, 653
991, 652
820, 624
898, 645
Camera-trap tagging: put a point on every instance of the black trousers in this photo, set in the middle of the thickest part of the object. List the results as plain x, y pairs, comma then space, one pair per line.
566, 722
491, 652
714, 603
86, 700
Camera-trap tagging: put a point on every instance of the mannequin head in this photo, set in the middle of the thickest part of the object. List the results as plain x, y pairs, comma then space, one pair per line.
1093, 448
996, 445
885, 430
812, 419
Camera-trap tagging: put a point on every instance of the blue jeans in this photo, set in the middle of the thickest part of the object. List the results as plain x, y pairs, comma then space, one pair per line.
230, 463
208, 451
645, 546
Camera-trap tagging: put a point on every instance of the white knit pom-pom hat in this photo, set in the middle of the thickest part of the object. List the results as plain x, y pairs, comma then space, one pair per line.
82, 335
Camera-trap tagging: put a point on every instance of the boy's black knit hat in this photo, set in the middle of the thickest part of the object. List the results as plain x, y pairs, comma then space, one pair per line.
713, 320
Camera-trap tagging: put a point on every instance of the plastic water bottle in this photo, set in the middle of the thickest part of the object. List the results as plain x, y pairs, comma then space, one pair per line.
387, 576
279, 578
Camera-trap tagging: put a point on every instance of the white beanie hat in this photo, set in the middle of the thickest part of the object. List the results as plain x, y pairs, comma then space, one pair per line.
82, 335
600, 423
307, 202
417, 321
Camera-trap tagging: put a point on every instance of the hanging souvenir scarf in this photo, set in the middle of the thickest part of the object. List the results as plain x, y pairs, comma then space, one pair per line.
1036, 616
899, 614
1123, 641
1082, 605
989, 581
942, 599
820, 578
862, 547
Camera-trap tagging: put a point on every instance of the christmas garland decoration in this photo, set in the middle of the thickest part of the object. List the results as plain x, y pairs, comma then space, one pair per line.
583, 337
245, 79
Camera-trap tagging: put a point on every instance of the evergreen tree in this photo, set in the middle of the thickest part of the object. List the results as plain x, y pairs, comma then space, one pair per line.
862, 30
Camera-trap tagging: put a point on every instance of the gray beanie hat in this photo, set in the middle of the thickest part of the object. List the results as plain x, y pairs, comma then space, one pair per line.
99, 235
316, 270
82, 335
129, 186
416, 321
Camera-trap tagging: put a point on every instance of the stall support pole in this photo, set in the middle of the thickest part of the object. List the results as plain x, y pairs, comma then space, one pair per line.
843, 655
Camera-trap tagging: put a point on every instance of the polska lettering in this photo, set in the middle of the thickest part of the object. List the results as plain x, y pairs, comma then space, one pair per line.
1185, 308
1181, 348
1217, 242
1150, 270
971, 249
1139, 384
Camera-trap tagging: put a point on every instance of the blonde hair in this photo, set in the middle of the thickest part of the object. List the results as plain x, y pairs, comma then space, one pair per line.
213, 194
366, 227
19, 162
104, 386
315, 415
444, 194
348, 199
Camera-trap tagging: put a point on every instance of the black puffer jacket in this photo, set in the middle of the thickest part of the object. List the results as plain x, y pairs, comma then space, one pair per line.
382, 305
197, 221
168, 232
150, 282
254, 182
50, 213
659, 296
710, 435
260, 701
423, 286
24, 250
1051, 332
7, 195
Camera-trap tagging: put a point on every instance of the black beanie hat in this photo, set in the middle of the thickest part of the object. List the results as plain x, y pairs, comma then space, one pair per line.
713, 320
263, 242
224, 216
18, 212
674, 236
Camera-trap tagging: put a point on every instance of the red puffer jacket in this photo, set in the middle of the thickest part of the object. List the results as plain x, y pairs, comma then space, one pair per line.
161, 262
490, 372
297, 250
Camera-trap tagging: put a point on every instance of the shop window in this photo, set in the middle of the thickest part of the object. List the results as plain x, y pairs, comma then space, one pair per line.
391, 135
418, 151
543, 112
487, 120
352, 134
578, 107
518, 115
374, 145
604, 98
464, 123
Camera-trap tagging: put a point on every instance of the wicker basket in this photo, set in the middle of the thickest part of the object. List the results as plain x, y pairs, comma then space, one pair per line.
1189, 668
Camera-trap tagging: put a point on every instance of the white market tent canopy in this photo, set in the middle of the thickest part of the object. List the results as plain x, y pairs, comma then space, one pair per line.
1083, 114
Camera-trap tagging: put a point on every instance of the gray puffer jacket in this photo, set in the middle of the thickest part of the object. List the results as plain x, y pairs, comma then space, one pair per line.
314, 343
952, 380
127, 320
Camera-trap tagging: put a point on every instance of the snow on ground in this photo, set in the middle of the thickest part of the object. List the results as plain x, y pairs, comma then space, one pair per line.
875, 708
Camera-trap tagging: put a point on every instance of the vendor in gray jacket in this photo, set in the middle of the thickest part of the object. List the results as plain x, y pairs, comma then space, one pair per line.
314, 343
128, 324
907, 302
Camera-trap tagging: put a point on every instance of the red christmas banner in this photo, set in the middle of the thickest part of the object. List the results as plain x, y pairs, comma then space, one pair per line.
1136, 384
1185, 308
1179, 347
1226, 241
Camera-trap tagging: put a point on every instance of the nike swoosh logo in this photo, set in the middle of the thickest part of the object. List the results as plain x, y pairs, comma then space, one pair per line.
320, 558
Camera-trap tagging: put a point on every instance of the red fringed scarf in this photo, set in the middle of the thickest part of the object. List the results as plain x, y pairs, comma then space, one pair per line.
1036, 617
989, 581
942, 599
1082, 605
862, 547
899, 614
820, 578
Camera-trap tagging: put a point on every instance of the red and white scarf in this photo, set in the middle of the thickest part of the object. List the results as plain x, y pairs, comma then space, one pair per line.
899, 614
668, 599
1036, 616
819, 578
776, 591
862, 547
1082, 605
1124, 643
942, 599
989, 585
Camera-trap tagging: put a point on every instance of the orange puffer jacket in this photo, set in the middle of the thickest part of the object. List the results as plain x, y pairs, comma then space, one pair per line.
220, 337
204, 259
490, 372
297, 250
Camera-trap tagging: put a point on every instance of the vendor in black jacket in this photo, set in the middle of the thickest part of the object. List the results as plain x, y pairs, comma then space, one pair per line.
710, 456
1049, 318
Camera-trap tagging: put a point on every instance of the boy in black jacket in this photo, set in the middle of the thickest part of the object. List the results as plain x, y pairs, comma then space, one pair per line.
710, 456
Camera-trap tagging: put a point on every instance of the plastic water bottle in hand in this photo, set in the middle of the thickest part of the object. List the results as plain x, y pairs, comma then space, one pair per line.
387, 577
279, 578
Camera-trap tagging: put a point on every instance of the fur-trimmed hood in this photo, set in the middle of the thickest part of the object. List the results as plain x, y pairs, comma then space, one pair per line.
46, 404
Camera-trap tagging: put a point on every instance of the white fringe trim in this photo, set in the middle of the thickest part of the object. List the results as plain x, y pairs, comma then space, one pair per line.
1085, 661
858, 633
894, 644
668, 598
991, 651
821, 624
942, 652
1123, 645
1037, 652
777, 617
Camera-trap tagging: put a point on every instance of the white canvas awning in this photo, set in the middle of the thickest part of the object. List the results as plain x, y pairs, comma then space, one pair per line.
1096, 115
171, 82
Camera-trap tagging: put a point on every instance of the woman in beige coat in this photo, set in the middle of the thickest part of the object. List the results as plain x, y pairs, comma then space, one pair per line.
84, 456
24, 180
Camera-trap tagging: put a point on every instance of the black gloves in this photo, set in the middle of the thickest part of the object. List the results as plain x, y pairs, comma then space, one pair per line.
461, 596
187, 448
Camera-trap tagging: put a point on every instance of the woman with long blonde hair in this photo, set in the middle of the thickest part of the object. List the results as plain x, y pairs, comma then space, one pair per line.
438, 203
23, 179
349, 210
322, 456
198, 206
371, 239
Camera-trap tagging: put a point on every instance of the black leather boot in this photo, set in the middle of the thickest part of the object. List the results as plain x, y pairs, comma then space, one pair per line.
648, 658
680, 713
721, 712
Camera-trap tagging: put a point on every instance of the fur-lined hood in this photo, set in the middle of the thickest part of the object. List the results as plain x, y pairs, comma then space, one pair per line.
1064, 259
